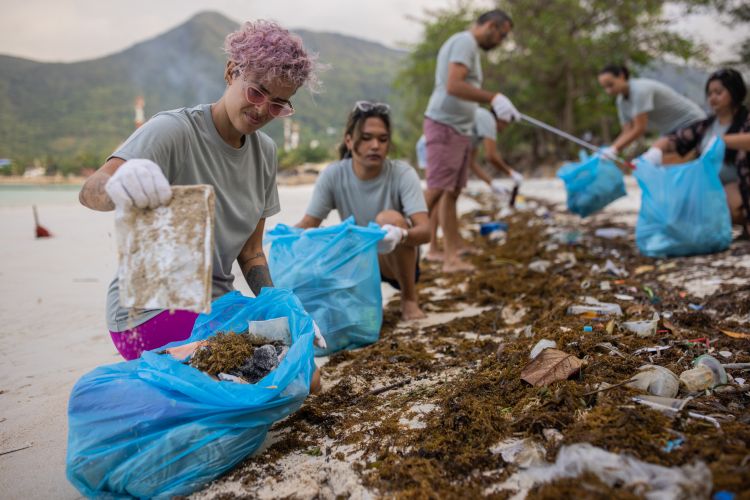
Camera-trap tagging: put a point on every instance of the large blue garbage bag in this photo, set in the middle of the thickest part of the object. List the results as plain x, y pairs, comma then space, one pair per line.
591, 184
155, 427
683, 207
335, 273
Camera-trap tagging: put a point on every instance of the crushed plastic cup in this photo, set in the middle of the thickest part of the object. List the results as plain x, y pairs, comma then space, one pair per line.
707, 374
642, 328
656, 380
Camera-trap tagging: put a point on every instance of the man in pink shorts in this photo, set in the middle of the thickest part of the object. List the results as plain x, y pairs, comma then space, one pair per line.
449, 120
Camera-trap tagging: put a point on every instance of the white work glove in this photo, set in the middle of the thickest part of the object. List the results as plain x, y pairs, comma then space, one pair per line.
138, 182
516, 176
609, 153
499, 188
319, 340
653, 156
504, 109
393, 236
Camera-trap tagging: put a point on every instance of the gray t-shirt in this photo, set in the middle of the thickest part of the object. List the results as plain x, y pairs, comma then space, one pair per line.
338, 187
667, 110
485, 127
728, 173
186, 145
444, 108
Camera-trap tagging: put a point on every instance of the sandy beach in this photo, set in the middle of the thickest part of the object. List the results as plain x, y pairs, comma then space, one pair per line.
52, 322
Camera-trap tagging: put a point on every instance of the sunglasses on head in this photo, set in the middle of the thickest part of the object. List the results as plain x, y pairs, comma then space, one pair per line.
367, 106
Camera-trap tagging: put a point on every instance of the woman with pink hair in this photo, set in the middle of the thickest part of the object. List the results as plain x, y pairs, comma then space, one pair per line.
218, 144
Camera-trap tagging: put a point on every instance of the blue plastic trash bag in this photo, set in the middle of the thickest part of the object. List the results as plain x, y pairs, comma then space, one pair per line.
683, 207
155, 427
591, 184
335, 273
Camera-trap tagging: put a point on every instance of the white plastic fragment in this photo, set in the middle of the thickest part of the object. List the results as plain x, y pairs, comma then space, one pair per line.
656, 380
542, 345
643, 328
650, 481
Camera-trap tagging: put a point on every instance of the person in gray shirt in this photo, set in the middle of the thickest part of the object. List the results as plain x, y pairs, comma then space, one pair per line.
218, 144
367, 185
645, 105
449, 119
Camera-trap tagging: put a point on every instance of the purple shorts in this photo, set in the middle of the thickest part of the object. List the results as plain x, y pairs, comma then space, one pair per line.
160, 330
447, 156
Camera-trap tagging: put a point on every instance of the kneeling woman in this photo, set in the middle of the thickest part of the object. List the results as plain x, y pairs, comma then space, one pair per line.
726, 92
218, 144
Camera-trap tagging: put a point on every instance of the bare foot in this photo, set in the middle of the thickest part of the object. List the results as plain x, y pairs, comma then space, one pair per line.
468, 250
457, 266
434, 256
410, 310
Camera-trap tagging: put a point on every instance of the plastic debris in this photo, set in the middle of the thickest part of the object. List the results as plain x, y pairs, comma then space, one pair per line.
611, 233
643, 269
621, 296
488, 228
610, 268
673, 444
524, 453
550, 366
276, 329
542, 345
657, 348
707, 374
540, 266
668, 404
725, 354
588, 328
643, 328
231, 378
695, 307
591, 305
616, 470
605, 286
655, 380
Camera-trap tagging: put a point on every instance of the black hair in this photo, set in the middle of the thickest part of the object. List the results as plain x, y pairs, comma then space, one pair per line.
354, 123
616, 70
732, 81
497, 16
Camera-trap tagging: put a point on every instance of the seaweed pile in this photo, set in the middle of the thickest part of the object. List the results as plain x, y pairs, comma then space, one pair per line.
239, 355
438, 409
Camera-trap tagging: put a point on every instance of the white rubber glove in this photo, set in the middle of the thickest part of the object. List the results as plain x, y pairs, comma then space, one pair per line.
394, 235
609, 153
516, 176
499, 188
138, 182
504, 109
653, 155
319, 341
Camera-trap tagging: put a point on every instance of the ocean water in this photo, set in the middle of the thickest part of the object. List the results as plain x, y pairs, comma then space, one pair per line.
28, 195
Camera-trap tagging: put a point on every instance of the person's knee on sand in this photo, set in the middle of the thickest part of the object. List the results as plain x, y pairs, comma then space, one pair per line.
400, 266
393, 218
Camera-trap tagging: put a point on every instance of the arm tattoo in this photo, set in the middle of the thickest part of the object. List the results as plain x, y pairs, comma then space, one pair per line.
258, 277
94, 196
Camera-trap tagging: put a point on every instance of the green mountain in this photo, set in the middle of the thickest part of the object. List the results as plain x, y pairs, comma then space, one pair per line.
70, 111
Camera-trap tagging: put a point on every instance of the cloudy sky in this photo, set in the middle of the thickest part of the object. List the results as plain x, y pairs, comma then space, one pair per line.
73, 30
